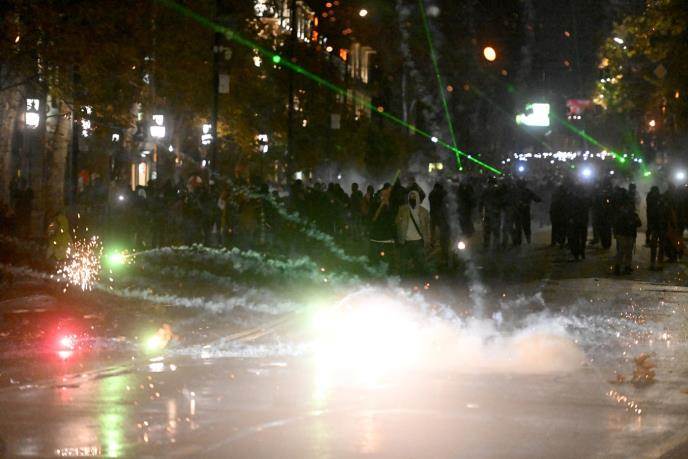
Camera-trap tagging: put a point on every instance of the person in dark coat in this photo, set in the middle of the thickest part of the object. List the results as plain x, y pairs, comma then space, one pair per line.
577, 221
674, 243
558, 215
602, 215
382, 229
439, 220
355, 203
626, 224
491, 205
523, 196
656, 227
465, 205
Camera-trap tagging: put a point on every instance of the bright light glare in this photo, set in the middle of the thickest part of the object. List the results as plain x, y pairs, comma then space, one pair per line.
67, 342
33, 119
619, 40
363, 13
157, 131
154, 343
586, 172
81, 267
536, 115
366, 337
521, 168
117, 259
159, 341
489, 53
680, 176
64, 355
461, 245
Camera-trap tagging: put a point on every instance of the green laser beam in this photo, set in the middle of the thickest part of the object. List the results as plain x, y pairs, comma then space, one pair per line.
619, 157
278, 60
581, 133
438, 76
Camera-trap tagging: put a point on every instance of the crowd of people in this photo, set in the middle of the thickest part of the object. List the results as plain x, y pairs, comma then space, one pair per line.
397, 223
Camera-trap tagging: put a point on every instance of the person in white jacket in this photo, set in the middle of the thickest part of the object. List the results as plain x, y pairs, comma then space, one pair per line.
413, 234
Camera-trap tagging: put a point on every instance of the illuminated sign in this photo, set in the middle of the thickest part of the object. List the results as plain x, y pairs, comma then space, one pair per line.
535, 115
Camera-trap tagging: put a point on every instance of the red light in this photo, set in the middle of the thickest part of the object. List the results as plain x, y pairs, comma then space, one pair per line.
67, 342
64, 355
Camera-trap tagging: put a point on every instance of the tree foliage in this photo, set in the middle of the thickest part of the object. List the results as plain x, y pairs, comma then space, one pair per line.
644, 66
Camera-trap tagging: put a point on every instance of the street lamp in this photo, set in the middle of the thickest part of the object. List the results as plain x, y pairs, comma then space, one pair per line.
157, 129
489, 53
262, 143
32, 116
363, 12
206, 137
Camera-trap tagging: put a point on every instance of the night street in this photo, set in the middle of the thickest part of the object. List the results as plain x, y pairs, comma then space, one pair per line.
534, 376
331, 229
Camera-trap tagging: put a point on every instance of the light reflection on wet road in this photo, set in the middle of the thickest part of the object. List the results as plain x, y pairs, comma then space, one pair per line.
502, 396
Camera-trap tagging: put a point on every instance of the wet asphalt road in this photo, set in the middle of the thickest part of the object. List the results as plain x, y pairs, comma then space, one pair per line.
206, 396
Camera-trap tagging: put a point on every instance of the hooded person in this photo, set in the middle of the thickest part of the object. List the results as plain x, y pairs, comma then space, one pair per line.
413, 232
382, 231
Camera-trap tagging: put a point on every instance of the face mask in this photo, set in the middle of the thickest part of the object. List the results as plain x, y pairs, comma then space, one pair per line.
412, 203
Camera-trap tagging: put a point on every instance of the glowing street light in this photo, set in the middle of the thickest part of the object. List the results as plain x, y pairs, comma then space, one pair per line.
680, 176
206, 137
263, 142
489, 53
157, 130
363, 12
619, 40
32, 116
586, 172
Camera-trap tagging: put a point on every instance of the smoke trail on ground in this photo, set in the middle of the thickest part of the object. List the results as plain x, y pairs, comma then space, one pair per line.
212, 264
535, 344
310, 231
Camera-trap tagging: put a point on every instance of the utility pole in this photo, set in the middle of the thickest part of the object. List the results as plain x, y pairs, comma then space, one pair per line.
290, 114
74, 153
216, 83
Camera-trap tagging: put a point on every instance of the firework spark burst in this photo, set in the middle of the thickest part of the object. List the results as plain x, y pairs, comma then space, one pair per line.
82, 265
